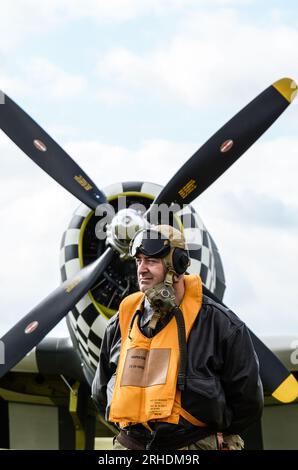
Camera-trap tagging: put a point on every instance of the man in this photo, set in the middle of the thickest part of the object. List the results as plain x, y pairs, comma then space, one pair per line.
176, 369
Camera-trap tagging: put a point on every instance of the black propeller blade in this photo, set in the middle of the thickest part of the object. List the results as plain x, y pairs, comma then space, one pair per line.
29, 331
227, 145
46, 153
276, 378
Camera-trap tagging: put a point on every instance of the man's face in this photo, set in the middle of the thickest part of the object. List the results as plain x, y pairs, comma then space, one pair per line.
151, 271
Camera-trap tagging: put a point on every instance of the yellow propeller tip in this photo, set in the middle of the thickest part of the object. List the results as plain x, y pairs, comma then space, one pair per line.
287, 391
287, 87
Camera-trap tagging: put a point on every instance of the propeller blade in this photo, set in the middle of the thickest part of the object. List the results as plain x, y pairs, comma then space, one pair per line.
227, 145
276, 378
46, 153
29, 331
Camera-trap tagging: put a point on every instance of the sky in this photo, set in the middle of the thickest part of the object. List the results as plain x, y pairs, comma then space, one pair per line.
131, 89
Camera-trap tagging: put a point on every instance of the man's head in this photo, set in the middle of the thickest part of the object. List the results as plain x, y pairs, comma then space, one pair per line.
159, 251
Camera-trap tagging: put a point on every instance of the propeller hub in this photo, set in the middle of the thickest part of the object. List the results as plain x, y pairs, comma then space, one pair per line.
123, 228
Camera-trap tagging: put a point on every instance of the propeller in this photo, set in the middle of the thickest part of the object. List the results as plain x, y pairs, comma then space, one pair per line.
46, 153
226, 146
32, 328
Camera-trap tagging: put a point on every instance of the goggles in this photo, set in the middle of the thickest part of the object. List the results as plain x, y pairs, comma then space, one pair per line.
150, 243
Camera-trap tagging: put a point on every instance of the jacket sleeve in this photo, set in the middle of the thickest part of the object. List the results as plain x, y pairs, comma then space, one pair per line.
103, 383
241, 380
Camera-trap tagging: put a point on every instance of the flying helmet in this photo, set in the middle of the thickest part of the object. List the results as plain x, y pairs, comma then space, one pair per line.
162, 241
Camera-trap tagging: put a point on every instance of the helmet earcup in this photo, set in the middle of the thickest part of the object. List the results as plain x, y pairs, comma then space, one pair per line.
180, 260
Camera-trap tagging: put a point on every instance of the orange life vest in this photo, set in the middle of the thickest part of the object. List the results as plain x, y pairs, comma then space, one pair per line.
146, 378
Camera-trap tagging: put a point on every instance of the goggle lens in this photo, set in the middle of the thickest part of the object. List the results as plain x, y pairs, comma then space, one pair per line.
150, 243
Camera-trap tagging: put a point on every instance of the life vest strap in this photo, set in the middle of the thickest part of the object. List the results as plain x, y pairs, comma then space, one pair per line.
182, 346
191, 418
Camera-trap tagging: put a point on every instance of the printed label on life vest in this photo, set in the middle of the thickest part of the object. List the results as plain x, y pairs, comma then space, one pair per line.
144, 368
158, 406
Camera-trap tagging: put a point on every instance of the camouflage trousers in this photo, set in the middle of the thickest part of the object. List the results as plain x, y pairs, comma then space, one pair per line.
230, 442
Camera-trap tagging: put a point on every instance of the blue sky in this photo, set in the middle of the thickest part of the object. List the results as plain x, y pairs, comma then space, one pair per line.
131, 89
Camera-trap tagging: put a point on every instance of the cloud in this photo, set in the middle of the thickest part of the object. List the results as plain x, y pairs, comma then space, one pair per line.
48, 79
26, 18
216, 55
112, 97
11, 85
41, 77
261, 276
261, 210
